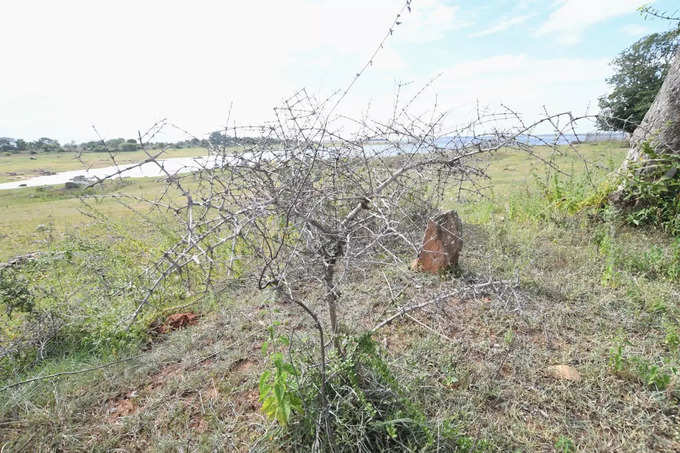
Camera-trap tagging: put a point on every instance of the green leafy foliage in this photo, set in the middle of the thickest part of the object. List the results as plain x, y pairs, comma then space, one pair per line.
653, 191
565, 445
15, 294
569, 194
639, 74
76, 298
653, 201
672, 338
278, 390
655, 374
616, 359
371, 410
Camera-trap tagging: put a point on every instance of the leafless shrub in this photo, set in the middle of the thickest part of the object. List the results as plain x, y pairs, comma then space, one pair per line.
319, 200
312, 206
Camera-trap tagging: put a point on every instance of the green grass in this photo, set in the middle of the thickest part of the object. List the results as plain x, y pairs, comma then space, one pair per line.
91, 249
592, 293
34, 217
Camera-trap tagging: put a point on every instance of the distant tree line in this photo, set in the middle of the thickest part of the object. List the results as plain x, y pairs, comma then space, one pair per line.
216, 139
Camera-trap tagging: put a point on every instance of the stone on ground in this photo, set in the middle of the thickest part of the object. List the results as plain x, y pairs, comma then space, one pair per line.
442, 243
564, 372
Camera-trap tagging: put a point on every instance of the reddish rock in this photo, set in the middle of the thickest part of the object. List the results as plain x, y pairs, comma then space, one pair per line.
123, 407
442, 244
179, 321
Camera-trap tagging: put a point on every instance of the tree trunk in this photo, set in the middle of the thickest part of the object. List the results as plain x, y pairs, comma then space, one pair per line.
660, 126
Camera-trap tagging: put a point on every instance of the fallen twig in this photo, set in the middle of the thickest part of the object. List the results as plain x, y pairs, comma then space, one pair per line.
68, 373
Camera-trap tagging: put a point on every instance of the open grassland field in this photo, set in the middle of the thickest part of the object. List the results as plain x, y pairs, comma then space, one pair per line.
14, 167
35, 218
590, 293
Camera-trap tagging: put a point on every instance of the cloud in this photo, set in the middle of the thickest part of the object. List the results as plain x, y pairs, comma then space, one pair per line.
502, 26
126, 64
573, 17
527, 84
635, 30
524, 83
429, 21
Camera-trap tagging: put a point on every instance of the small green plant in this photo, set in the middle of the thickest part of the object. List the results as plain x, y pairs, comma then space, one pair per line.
672, 338
604, 239
657, 306
651, 375
509, 337
371, 409
654, 262
278, 393
674, 267
565, 445
653, 191
575, 193
449, 429
656, 376
616, 359
609, 273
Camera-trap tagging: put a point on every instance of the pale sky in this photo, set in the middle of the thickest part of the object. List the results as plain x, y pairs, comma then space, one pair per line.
123, 65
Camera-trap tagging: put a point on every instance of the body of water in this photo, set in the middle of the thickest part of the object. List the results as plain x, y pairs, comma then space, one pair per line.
179, 165
175, 165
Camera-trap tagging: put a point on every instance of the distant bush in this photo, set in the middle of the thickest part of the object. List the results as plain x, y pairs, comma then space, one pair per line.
639, 72
128, 146
14, 291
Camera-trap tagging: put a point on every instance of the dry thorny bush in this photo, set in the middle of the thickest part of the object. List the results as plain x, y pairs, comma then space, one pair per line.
310, 206
316, 202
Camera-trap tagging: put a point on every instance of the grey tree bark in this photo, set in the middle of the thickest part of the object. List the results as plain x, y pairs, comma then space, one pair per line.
660, 127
